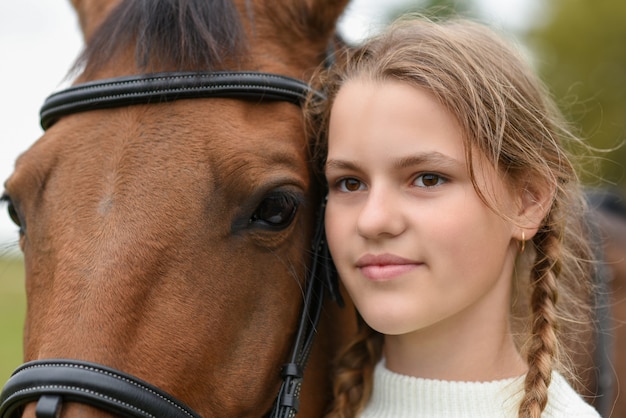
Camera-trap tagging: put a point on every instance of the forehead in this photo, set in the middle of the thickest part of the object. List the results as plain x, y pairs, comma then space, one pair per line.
393, 114
392, 120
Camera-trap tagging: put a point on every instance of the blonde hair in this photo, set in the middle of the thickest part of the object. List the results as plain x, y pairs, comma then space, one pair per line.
507, 114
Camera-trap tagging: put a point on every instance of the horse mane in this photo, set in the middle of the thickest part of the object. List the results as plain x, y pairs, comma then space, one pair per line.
168, 35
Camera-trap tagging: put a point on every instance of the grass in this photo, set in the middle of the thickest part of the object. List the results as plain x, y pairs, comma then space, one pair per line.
12, 311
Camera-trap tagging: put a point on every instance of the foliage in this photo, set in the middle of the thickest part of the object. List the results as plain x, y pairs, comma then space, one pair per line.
582, 59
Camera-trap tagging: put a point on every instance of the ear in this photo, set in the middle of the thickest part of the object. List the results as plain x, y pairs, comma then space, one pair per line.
304, 29
534, 203
322, 16
91, 13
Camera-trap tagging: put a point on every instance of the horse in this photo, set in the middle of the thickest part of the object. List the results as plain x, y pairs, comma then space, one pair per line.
606, 372
167, 213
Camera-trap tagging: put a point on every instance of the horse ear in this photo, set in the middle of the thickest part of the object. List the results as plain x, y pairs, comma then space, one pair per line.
91, 13
323, 15
305, 20
305, 28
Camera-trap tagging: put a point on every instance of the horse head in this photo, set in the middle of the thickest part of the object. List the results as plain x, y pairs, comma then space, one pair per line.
170, 239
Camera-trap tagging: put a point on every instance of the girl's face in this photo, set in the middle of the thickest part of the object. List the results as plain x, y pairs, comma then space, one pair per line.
415, 246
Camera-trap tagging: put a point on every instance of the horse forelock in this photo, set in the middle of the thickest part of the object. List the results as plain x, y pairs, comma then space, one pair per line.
168, 35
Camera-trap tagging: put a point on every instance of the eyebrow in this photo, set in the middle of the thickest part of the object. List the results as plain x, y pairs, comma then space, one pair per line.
434, 157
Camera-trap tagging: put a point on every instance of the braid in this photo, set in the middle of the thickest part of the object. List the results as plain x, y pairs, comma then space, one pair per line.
543, 343
354, 373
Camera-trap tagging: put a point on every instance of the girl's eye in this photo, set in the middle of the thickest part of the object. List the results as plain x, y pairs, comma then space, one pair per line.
350, 185
429, 180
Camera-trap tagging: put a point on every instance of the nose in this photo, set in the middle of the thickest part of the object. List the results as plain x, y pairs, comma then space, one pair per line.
381, 215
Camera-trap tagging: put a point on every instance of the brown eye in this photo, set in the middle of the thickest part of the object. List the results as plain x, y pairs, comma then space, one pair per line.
350, 185
429, 180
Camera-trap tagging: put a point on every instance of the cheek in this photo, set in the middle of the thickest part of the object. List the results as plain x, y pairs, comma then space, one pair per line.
445, 230
461, 233
471, 240
336, 230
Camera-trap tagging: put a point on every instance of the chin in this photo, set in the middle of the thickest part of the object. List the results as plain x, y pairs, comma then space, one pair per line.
388, 324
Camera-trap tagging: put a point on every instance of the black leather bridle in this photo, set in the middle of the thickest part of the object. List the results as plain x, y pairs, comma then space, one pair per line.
52, 382
164, 87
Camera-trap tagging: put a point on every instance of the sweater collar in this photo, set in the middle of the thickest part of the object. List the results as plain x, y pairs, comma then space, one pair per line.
402, 396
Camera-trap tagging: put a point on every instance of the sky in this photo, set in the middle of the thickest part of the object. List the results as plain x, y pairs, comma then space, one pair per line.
39, 41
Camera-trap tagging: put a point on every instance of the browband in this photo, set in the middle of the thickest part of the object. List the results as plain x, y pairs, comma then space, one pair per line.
165, 87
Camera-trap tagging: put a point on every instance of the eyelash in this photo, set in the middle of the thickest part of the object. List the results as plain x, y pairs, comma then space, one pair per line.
340, 184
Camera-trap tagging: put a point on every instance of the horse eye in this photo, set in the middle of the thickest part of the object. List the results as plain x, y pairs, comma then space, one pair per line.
275, 211
15, 217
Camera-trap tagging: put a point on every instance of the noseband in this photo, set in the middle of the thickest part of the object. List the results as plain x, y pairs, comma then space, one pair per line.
52, 382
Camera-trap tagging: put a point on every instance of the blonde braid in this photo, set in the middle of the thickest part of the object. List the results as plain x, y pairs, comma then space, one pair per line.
543, 343
353, 380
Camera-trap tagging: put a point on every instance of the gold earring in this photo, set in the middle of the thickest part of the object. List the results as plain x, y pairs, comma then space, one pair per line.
523, 243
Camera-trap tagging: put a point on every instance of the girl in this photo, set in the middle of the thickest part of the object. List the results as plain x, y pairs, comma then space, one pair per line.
447, 174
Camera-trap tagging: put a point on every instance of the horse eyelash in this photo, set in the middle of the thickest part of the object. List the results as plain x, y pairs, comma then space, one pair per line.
5, 200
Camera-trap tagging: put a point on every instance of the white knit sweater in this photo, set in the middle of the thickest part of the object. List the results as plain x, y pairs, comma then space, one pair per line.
398, 396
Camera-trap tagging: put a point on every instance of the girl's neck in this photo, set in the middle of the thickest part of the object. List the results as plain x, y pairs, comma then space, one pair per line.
461, 349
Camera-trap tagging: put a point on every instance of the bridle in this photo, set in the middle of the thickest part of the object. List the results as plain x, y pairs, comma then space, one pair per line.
164, 87
52, 382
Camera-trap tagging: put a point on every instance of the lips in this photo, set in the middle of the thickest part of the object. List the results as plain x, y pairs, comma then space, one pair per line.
385, 266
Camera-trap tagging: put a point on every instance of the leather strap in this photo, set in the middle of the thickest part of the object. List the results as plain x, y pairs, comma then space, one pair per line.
49, 381
165, 87
323, 275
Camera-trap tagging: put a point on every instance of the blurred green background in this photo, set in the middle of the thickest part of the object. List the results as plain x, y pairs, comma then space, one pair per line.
12, 310
577, 46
